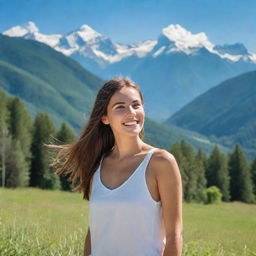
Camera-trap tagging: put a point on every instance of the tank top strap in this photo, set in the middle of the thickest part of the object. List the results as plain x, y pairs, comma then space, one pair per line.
148, 157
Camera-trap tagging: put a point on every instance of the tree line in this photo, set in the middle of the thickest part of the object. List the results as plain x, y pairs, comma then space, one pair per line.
25, 161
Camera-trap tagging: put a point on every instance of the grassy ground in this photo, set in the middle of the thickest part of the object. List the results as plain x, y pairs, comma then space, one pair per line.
42, 222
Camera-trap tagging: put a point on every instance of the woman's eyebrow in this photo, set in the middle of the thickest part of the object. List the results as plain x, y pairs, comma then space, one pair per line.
121, 102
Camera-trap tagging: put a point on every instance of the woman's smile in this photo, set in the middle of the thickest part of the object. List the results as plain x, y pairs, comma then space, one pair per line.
131, 124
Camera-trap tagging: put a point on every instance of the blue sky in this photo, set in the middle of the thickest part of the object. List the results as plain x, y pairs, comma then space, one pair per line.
127, 21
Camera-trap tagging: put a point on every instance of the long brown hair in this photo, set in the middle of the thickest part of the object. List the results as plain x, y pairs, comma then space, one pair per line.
81, 158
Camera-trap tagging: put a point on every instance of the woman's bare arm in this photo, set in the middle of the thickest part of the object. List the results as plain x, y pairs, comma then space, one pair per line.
170, 190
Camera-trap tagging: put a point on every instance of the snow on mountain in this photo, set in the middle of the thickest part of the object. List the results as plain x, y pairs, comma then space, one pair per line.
85, 42
102, 47
88, 34
139, 49
184, 40
88, 43
16, 31
233, 49
175, 38
235, 52
31, 31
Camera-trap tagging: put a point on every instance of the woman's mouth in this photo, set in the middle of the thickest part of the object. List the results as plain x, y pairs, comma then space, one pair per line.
131, 123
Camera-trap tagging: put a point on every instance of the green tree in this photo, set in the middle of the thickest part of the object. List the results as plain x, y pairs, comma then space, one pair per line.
253, 173
190, 170
177, 153
5, 139
217, 173
20, 127
201, 179
41, 174
65, 135
16, 171
241, 181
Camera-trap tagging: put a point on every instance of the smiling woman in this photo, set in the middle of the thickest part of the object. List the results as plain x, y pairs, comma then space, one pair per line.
134, 189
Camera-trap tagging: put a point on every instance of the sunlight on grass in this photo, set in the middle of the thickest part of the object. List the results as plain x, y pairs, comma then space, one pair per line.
44, 222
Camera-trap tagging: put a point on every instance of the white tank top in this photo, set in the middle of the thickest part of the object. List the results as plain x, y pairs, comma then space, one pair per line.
126, 221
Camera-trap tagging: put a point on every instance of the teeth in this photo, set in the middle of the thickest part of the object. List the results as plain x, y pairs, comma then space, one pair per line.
131, 123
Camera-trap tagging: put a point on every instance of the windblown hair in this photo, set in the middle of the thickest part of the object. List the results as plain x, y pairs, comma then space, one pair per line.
81, 158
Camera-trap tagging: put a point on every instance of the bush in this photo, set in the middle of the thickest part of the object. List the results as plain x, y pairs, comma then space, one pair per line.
213, 195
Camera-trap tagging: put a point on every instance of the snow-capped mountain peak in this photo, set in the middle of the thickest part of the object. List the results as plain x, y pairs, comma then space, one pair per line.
184, 39
32, 28
87, 33
18, 31
31, 31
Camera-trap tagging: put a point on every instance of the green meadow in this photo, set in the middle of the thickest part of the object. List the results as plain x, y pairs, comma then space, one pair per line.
37, 222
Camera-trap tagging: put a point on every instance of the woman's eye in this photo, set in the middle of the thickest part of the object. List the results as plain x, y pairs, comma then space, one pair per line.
136, 105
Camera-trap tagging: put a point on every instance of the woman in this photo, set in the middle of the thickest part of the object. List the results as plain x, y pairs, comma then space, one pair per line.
134, 190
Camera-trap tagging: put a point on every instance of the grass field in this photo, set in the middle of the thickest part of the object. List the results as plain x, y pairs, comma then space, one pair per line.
36, 222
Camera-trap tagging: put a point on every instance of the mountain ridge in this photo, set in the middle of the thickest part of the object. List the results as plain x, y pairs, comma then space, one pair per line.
182, 39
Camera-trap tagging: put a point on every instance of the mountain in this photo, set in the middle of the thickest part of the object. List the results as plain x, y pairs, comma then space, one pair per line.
164, 136
180, 67
171, 71
88, 43
84, 42
46, 80
237, 49
226, 111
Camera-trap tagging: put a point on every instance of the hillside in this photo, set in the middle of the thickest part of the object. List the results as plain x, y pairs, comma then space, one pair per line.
164, 136
46, 80
226, 111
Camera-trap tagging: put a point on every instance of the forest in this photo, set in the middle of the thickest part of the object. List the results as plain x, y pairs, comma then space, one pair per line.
25, 160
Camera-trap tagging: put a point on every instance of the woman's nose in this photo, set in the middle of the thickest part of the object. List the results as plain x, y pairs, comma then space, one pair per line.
131, 110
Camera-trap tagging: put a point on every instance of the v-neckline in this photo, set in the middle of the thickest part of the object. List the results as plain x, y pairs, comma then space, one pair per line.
129, 178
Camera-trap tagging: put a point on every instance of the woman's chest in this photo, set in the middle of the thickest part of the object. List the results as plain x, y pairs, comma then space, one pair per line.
113, 176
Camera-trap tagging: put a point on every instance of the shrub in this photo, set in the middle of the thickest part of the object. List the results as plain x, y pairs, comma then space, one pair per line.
213, 195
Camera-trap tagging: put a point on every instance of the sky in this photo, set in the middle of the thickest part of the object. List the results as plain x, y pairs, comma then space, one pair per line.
131, 21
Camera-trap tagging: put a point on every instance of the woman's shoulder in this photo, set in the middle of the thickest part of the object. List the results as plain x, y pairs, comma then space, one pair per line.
163, 162
162, 155
165, 169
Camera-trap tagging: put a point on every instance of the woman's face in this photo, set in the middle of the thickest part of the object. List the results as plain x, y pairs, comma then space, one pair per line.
125, 106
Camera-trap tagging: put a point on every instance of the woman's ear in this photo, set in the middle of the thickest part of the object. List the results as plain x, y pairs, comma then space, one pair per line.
104, 120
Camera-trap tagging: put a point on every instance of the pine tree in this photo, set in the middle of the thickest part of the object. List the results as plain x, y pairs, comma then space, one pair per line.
241, 180
177, 153
190, 170
41, 174
217, 173
5, 139
203, 157
16, 164
253, 173
65, 135
20, 126
201, 179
